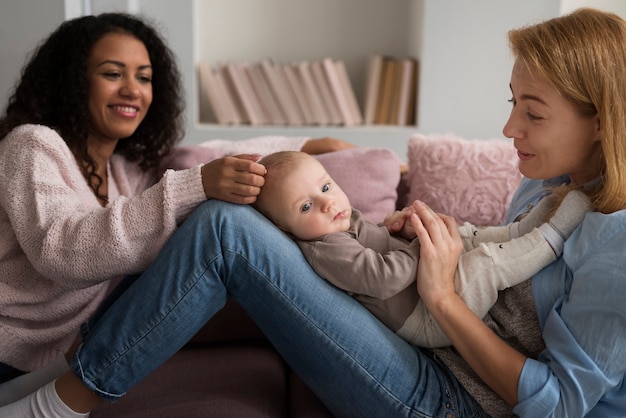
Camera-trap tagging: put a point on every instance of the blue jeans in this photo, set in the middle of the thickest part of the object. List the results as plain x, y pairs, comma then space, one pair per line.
354, 364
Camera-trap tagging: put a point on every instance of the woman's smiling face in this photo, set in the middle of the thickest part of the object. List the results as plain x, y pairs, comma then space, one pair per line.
120, 86
551, 136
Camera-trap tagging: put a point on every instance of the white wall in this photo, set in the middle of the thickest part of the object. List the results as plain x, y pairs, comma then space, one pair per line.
466, 64
21, 29
616, 6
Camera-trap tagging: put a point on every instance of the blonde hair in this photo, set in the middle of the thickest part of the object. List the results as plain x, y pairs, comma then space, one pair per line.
583, 55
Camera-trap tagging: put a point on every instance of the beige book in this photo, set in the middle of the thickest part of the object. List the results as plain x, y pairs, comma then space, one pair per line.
406, 99
372, 85
385, 90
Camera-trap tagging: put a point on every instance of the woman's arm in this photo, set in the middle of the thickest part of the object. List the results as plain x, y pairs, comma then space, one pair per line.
493, 360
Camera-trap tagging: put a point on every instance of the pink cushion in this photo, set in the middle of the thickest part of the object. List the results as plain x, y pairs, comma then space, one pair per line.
368, 176
472, 180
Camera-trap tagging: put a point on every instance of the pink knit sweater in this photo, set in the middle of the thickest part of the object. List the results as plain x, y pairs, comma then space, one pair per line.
59, 248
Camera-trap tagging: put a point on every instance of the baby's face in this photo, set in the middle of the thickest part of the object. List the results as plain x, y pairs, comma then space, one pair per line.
311, 203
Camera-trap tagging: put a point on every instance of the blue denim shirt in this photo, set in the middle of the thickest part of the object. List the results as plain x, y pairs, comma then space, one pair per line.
582, 312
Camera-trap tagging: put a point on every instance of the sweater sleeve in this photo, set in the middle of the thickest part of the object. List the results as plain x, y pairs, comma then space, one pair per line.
60, 226
373, 263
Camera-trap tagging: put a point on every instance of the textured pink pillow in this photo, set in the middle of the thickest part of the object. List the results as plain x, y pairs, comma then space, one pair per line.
368, 176
472, 180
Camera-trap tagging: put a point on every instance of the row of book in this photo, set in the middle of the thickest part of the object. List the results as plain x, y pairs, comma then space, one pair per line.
391, 91
304, 93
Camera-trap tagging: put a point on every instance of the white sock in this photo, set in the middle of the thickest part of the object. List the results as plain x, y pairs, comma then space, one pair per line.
21, 386
44, 403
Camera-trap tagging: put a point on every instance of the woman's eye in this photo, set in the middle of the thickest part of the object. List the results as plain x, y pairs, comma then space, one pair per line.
533, 117
145, 79
306, 207
112, 75
326, 187
512, 101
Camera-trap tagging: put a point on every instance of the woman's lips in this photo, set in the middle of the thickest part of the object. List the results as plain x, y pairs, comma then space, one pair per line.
524, 156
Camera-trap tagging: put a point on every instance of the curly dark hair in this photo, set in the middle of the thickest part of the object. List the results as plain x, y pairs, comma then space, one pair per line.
54, 91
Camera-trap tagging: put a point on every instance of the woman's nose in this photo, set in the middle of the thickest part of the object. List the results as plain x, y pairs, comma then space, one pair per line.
130, 89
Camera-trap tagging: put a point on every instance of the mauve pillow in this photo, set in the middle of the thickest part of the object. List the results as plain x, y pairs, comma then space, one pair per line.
472, 180
368, 176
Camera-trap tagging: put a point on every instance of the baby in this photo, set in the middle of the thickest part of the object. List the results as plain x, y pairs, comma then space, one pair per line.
380, 269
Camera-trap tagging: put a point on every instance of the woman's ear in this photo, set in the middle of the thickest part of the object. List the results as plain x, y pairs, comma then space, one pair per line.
598, 128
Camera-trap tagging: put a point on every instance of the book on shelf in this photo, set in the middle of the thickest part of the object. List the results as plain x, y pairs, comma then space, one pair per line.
267, 99
291, 94
337, 92
385, 89
390, 92
407, 93
231, 92
320, 113
317, 92
372, 85
243, 92
348, 91
278, 86
302, 100
215, 97
323, 86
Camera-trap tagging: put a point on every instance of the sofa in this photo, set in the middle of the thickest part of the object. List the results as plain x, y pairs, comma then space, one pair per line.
229, 369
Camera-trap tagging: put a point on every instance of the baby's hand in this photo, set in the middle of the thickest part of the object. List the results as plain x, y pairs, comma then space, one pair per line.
236, 179
399, 223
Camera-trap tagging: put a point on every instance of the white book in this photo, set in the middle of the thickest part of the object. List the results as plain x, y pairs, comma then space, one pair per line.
278, 85
297, 110
324, 88
267, 99
232, 74
337, 92
348, 91
211, 104
252, 94
312, 92
302, 99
